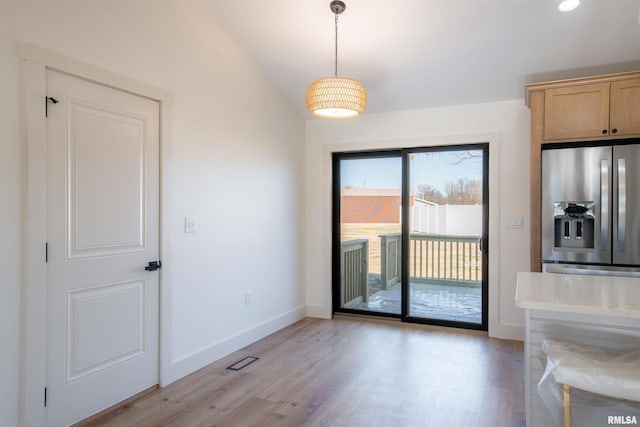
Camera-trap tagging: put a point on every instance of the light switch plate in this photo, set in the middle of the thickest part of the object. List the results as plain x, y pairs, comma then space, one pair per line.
190, 225
513, 222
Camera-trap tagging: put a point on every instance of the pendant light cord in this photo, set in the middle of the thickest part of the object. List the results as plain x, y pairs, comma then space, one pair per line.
336, 45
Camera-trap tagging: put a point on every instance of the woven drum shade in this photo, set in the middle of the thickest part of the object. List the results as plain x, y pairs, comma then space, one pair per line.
336, 98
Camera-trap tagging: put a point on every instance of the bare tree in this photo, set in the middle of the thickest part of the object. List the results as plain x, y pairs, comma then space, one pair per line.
431, 194
460, 156
464, 191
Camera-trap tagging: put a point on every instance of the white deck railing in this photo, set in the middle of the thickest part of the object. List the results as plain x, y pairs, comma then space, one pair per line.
452, 260
354, 272
433, 258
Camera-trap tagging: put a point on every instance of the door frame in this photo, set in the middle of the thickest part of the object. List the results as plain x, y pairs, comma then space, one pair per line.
494, 139
403, 154
35, 63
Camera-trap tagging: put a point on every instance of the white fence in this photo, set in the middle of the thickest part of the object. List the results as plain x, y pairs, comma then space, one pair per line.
456, 220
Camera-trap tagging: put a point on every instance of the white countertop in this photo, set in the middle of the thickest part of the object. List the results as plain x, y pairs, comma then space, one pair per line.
572, 293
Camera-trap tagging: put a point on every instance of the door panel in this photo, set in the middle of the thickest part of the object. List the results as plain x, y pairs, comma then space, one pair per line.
576, 112
369, 233
626, 209
106, 150
446, 275
102, 229
96, 339
625, 114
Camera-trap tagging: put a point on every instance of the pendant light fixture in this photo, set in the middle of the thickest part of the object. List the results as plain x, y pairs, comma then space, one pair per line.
336, 97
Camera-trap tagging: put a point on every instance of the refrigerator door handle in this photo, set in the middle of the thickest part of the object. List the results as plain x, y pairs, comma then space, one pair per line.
622, 203
604, 204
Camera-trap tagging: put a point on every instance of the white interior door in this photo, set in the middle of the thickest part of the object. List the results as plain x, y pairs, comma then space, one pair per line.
102, 230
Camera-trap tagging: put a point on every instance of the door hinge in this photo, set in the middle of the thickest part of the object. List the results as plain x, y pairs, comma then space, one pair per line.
45, 397
46, 252
48, 99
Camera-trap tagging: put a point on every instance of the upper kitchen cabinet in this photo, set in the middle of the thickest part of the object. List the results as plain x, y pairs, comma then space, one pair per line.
624, 114
602, 107
576, 112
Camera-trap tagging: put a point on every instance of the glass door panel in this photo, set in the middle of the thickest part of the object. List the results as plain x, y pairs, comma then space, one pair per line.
370, 203
446, 223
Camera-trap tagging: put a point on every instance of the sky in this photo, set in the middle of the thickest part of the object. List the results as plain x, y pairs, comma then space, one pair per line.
432, 168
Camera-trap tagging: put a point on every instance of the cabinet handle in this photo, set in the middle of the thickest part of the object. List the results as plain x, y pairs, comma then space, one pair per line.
604, 131
614, 130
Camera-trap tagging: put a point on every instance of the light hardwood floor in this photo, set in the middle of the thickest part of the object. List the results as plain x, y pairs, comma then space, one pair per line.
346, 372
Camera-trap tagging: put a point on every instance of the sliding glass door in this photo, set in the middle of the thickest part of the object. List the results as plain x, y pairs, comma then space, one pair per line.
368, 195
446, 229
410, 234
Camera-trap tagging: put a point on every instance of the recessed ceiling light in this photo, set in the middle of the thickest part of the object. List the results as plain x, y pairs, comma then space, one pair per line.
567, 5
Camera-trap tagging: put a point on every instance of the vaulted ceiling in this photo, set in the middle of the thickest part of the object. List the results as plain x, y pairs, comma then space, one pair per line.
413, 54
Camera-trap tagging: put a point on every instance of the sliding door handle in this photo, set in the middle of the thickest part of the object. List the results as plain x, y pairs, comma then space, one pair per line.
483, 244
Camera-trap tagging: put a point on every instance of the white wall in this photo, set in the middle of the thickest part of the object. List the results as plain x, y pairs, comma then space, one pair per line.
12, 170
504, 124
234, 143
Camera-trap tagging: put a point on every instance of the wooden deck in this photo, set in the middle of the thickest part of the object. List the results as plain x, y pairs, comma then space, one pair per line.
429, 300
445, 276
347, 372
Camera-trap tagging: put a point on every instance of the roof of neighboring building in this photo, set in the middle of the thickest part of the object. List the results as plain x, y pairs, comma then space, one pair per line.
371, 192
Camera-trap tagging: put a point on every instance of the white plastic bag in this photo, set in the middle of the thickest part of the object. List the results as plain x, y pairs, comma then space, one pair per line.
609, 377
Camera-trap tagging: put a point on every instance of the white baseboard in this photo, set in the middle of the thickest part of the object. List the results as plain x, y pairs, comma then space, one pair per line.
198, 360
318, 311
507, 332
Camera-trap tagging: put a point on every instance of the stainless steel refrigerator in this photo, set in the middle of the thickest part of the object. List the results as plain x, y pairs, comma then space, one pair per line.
591, 209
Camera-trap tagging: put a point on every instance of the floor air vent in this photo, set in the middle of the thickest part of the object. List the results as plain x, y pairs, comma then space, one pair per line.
243, 363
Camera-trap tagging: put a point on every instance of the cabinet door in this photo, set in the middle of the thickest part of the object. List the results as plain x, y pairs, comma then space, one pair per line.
625, 107
576, 112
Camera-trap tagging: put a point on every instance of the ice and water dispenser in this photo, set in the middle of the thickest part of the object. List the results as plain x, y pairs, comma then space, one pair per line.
574, 224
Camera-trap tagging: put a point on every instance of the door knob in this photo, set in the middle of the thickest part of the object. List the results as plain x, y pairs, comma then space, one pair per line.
153, 266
